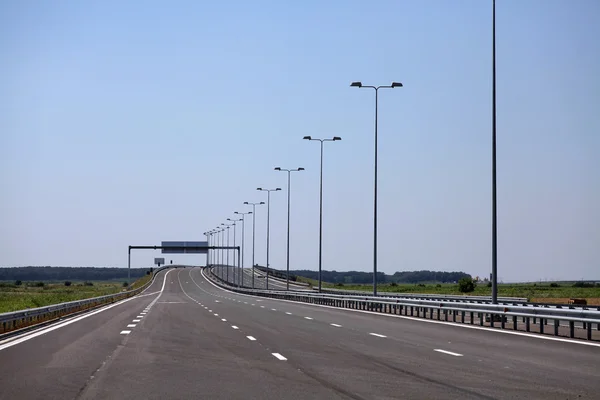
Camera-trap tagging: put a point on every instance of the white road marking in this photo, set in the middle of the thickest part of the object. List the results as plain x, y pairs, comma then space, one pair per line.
307, 318
31, 335
448, 352
428, 321
136, 320
250, 338
245, 302
279, 356
288, 313
140, 316
217, 301
131, 326
253, 304
125, 332
273, 309
223, 319
376, 334
336, 325
209, 310
260, 306
216, 315
143, 313
234, 327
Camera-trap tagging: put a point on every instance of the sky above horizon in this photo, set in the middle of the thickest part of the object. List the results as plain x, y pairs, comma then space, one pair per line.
130, 123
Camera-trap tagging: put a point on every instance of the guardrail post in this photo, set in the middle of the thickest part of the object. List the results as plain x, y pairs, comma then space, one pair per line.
571, 329
515, 319
589, 331
556, 324
526, 324
541, 325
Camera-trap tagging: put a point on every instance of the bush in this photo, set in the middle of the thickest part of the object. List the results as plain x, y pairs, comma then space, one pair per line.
125, 284
339, 284
466, 285
554, 284
39, 284
393, 284
583, 285
147, 272
438, 285
88, 283
67, 283
18, 283
489, 284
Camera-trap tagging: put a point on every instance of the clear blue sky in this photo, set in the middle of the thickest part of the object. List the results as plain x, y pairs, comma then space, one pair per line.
136, 122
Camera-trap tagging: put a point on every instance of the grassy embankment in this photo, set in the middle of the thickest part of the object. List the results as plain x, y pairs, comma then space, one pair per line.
31, 294
537, 292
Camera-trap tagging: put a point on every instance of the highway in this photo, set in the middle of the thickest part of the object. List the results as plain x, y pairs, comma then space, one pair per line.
184, 338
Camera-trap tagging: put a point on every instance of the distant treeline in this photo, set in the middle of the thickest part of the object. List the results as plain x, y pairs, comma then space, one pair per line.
68, 273
358, 277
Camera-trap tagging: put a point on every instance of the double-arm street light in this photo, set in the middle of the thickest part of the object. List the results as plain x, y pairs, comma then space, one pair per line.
241, 268
234, 235
253, 212
289, 173
334, 139
268, 226
376, 88
227, 226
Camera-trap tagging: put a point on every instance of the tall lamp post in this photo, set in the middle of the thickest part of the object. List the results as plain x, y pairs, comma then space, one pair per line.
234, 236
268, 225
289, 174
241, 267
227, 226
334, 139
376, 88
207, 234
253, 234
494, 209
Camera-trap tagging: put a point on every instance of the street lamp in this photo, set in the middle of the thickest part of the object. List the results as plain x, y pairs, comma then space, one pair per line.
234, 235
241, 267
219, 254
207, 234
289, 173
227, 226
334, 139
268, 226
253, 233
494, 209
376, 88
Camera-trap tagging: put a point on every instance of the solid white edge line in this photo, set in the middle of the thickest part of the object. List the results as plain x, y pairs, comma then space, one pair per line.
456, 324
448, 352
51, 328
279, 356
376, 334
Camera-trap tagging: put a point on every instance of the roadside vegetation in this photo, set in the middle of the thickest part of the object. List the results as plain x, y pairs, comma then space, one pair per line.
539, 292
20, 295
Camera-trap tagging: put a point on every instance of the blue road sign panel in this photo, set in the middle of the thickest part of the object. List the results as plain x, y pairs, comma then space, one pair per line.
184, 247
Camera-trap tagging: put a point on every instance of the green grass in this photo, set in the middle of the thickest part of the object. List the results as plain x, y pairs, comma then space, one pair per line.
15, 298
528, 290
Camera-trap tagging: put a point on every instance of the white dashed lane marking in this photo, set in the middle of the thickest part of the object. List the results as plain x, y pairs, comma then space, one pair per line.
131, 326
251, 338
448, 352
125, 332
336, 325
234, 327
279, 356
307, 318
376, 334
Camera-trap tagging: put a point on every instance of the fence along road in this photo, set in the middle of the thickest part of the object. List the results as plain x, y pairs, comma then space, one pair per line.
199, 341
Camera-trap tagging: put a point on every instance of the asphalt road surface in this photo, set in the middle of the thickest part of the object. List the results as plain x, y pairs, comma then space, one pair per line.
192, 340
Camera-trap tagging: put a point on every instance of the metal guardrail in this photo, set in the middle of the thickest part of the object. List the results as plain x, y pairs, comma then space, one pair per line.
484, 314
12, 321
